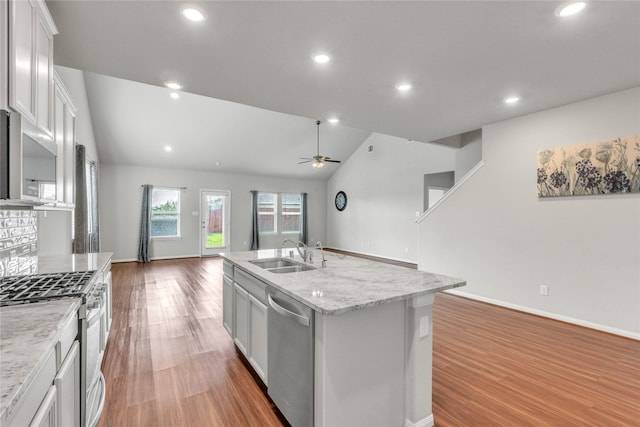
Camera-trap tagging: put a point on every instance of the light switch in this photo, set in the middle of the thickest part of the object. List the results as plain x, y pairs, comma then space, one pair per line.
424, 326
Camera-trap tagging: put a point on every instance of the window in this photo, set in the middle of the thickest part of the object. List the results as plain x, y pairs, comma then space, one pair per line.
165, 212
279, 213
291, 208
267, 212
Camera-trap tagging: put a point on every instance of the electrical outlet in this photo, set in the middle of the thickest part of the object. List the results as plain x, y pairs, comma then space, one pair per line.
424, 326
544, 290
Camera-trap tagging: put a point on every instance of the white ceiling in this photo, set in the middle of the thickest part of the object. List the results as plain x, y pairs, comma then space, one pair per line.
463, 58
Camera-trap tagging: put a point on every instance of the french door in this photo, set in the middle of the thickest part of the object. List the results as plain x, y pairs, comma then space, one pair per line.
215, 221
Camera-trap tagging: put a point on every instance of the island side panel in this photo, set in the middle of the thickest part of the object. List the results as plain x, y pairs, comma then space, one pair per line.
419, 361
360, 367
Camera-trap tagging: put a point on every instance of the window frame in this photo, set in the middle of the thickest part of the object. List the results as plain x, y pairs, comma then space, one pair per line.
178, 214
279, 214
276, 228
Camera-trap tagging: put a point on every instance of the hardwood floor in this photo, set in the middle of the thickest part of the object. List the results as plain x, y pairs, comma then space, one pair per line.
169, 361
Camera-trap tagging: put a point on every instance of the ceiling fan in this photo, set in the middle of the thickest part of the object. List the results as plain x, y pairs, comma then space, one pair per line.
317, 161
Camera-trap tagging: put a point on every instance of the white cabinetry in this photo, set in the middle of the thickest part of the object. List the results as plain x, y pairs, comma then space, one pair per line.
46, 415
67, 382
241, 319
53, 397
31, 31
4, 56
249, 328
227, 304
64, 134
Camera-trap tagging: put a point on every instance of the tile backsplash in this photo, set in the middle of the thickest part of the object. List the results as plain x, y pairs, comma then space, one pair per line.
18, 242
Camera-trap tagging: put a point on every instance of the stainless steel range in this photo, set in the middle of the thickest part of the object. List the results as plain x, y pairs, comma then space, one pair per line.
93, 326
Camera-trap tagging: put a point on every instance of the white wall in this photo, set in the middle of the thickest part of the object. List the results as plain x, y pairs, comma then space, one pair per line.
384, 191
120, 199
495, 232
54, 228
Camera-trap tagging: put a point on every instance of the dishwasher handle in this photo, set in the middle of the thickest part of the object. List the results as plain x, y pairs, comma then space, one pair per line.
303, 320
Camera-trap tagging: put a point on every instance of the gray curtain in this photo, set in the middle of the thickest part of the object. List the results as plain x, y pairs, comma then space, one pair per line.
81, 239
255, 231
304, 231
145, 224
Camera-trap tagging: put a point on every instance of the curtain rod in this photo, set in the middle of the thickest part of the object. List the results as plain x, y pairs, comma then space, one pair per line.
162, 186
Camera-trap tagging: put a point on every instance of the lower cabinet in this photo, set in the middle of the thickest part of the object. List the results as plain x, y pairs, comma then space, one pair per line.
241, 319
244, 306
46, 415
227, 304
67, 382
258, 337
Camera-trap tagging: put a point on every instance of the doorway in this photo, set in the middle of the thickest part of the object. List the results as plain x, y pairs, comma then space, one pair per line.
215, 236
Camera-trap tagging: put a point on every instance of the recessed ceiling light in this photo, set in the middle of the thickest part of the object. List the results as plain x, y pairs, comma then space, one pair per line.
174, 95
173, 85
321, 58
333, 120
218, 164
193, 14
511, 100
568, 9
403, 87
168, 148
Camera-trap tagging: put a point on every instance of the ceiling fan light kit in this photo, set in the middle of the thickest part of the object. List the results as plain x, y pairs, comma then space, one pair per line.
317, 161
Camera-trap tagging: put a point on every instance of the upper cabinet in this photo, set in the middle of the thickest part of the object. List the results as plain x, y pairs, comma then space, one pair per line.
30, 44
64, 135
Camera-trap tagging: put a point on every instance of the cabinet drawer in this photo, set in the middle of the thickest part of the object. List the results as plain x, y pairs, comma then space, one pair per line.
227, 268
252, 285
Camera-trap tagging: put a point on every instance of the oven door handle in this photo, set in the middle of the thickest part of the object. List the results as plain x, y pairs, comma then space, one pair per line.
95, 315
103, 395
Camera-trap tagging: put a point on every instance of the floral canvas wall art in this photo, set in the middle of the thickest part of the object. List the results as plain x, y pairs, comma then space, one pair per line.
603, 167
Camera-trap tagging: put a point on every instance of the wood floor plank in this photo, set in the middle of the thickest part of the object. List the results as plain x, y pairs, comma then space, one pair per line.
169, 362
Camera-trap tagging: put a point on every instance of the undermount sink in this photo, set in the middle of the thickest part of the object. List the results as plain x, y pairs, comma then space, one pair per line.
291, 269
281, 265
274, 263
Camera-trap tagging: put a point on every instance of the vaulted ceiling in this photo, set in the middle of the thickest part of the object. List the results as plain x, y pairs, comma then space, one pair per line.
462, 58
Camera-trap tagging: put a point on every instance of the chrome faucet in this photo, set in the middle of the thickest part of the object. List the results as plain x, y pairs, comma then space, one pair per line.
304, 252
324, 260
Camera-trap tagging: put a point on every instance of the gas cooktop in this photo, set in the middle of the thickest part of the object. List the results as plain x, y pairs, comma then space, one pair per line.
43, 287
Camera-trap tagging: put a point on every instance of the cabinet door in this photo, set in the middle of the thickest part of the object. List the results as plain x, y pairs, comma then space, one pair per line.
58, 137
67, 382
241, 318
227, 304
69, 156
22, 57
258, 337
46, 415
44, 74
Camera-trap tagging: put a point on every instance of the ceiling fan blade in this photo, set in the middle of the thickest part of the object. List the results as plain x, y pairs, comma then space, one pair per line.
305, 158
306, 161
332, 161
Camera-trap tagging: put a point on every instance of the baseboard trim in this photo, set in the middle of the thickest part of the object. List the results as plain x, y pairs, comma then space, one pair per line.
554, 316
156, 258
425, 422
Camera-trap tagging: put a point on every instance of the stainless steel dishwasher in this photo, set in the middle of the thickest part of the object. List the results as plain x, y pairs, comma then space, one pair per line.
290, 358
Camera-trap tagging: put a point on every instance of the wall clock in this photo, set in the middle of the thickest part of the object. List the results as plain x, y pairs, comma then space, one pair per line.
341, 200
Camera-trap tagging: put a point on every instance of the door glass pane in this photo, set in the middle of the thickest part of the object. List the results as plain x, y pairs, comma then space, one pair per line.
215, 221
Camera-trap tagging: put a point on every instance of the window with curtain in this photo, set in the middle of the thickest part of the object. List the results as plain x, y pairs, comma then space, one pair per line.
267, 212
165, 212
279, 213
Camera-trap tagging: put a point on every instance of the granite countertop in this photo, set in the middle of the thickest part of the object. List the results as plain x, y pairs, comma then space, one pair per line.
346, 283
27, 333
71, 263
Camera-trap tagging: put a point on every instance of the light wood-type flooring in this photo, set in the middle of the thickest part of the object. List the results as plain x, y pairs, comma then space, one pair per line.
169, 361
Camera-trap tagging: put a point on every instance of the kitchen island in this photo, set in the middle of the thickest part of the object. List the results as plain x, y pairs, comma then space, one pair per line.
372, 333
